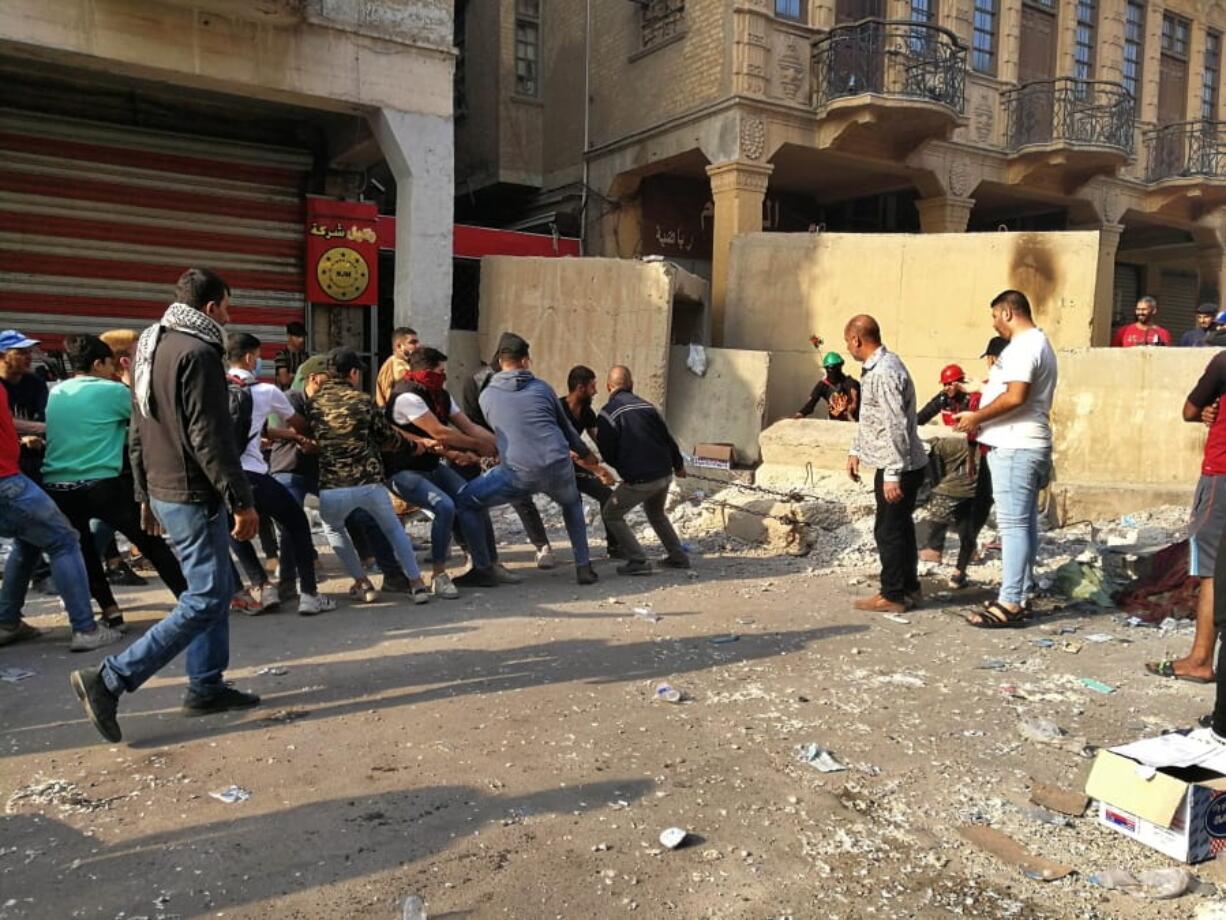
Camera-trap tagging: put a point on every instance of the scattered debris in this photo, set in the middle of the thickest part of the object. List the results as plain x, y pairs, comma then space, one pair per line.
65, 796
1043, 816
818, 757
1008, 850
231, 794
1096, 685
1041, 731
1063, 801
1042, 643
897, 618
273, 671
672, 837
284, 716
724, 640
15, 675
993, 664
667, 694
1158, 884
414, 908
1100, 638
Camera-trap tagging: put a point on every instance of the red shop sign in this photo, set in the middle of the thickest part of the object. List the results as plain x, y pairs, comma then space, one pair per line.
342, 252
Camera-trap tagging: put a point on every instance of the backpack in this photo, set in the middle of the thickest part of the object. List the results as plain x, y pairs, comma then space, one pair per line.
242, 408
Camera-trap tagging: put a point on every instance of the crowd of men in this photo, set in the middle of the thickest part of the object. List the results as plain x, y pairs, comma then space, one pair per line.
173, 439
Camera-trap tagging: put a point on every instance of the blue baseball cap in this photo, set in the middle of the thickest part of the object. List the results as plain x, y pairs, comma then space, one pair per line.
11, 338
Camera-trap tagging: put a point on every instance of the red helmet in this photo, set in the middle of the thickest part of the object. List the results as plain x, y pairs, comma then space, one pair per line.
952, 373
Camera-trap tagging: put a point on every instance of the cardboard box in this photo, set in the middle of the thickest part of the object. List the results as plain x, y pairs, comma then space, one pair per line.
714, 456
1179, 811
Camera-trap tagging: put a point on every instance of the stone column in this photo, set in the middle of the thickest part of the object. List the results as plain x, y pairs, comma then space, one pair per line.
948, 214
419, 151
1104, 287
738, 188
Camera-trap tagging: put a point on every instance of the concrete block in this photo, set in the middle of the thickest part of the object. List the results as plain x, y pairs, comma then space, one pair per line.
726, 405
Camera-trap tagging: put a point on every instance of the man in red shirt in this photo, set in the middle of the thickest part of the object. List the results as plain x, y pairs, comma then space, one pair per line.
1144, 331
1207, 524
31, 519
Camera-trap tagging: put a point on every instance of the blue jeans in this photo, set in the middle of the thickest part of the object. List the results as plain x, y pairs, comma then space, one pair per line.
1018, 474
434, 491
501, 486
200, 622
335, 505
36, 524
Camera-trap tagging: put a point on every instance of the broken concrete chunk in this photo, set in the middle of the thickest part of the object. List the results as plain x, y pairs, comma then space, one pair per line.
1059, 800
1009, 851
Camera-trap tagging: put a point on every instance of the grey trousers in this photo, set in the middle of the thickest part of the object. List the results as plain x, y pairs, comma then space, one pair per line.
651, 495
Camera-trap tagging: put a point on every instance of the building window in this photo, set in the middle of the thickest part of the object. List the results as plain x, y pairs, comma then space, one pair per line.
1134, 46
527, 47
1083, 39
1175, 36
662, 19
923, 10
983, 40
790, 9
1213, 76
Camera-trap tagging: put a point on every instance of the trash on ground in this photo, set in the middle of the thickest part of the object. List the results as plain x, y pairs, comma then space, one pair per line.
1064, 801
1096, 685
667, 694
1142, 793
1158, 884
1042, 643
645, 613
15, 675
1009, 851
992, 664
896, 618
1099, 637
274, 672
724, 640
673, 837
1084, 581
1043, 816
414, 908
231, 794
816, 756
1041, 731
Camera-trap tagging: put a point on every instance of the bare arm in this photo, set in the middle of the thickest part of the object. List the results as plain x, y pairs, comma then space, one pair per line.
476, 432
1013, 397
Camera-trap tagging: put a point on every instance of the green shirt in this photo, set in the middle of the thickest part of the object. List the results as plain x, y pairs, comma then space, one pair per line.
87, 424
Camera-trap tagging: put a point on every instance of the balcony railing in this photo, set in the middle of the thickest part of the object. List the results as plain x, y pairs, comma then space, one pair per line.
908, 59
1186, 149
1092, 113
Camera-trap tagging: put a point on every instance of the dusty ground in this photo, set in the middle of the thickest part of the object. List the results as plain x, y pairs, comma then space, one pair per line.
502, 756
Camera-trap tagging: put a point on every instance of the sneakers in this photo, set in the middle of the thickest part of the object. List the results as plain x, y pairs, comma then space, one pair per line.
504, 575
116, 622
421, 595
477, 578
88, 641
99, 703
18, 632
311, 604
270, 597
635, 567
544, 557
442, 586
243, 602
586, 575
224, 699
682, 562
396, 584
124, 576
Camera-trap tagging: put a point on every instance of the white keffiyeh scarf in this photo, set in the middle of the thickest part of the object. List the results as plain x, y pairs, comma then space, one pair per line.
181, 318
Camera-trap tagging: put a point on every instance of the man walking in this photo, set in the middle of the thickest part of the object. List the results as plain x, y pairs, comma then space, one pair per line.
1144, 331
1014, 421
186, 468
535, 443
577, 406
887, 439
634, 440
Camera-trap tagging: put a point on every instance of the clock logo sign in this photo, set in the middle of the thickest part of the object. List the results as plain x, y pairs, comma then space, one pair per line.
343, 273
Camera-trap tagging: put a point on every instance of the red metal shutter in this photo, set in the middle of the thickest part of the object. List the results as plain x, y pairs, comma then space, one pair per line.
97, 222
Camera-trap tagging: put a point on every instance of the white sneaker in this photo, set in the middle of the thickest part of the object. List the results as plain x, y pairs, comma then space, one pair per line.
311, 604
544, 558
441, 586
270, 597
504, 576
88, 641
370, 595
421, 595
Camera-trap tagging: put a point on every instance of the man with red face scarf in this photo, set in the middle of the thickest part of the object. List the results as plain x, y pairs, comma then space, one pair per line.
420, 405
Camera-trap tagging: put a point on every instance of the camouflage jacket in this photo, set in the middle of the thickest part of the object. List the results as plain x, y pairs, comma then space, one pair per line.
351, 431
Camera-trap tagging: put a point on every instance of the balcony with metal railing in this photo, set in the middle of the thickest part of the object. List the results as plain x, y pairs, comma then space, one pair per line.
1185, 163
901, 82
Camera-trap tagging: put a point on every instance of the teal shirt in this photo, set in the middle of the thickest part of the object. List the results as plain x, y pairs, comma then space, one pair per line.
87, 425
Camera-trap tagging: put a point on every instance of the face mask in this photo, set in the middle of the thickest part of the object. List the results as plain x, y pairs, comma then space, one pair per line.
431, 380
261, 368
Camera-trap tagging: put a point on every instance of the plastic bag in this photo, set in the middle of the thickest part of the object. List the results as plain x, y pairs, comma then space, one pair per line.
697, 361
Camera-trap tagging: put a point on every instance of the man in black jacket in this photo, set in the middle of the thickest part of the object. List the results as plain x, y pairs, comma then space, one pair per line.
634, 440
185, 463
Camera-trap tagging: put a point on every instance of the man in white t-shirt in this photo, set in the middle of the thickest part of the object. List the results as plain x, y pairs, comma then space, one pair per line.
1014, 422
271, 498
420, 405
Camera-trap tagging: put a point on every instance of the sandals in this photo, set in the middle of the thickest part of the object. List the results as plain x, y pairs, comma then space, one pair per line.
958, 580
1166, 668
996, 615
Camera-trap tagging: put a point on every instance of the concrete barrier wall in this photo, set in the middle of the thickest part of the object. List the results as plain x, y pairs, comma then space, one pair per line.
726, 405
597, 312
930, 292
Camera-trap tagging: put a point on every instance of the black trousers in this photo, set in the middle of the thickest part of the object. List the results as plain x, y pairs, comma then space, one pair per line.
114, 502
894, 531
592, 487
275, 501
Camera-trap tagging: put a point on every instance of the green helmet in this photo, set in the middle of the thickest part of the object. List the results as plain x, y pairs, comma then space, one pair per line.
832, 359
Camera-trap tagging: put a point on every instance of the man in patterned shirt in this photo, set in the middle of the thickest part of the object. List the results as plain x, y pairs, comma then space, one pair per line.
887, 439
351, 431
